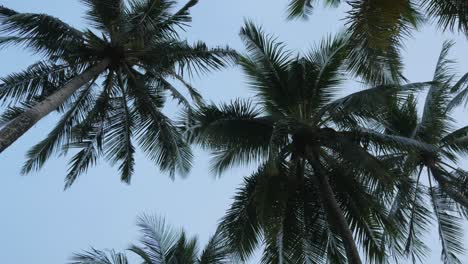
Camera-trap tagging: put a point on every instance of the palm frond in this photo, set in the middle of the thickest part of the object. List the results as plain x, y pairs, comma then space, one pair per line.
240, 225
104, 14
434, 120
461, 88
41, 33
60, 134
376, 38
157, 238
450, 233
95, 256
303, 8
118, 144
235, 132
216, 251
450, 14
34, 82
157, 134
266, 65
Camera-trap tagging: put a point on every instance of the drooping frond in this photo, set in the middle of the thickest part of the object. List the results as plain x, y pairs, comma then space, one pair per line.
60, 134
41, 33
303, 8
157, 134
376, 36
118, 144
241, 223
235, 132
461, 90
450, 14
450, 233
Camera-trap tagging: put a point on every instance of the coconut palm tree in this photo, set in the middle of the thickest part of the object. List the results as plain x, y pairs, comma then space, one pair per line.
320, 186
380, 26
445, 185
160, 244
108, 82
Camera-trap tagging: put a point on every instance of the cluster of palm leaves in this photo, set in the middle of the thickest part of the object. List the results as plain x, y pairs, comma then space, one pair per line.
109, 83
160, 244
338, 176
340, 179
378, 28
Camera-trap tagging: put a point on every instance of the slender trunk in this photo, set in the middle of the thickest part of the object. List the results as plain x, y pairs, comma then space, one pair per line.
332, 208
18, 126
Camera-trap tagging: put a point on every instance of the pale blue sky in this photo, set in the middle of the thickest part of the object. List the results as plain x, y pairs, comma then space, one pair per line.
40, 223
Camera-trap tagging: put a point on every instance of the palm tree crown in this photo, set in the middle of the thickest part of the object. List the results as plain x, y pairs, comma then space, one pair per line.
445, 185
321, 185
378, 27
160, 244
109, 83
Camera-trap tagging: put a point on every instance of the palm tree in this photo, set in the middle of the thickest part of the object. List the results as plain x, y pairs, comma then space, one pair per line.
320, 187
380, 26
445, 185
160, 244
108, 82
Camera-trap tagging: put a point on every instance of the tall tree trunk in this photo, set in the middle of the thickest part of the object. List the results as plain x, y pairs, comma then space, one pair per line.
18, 126
332, 208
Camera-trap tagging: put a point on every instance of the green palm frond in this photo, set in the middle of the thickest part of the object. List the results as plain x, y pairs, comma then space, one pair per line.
216, 251
155, 17
241, 223
60, 134
157, 237
90, 148
236, 133
87, 136
94, 256
376, 37
266, 65
118, 144
184, 251
450, 14
303, 8
450, 233
456, 141
34, 82
41, 33
327, 59
434, 120
12, 112
369, 102
197, 58
104, 14
418, 223
461, 88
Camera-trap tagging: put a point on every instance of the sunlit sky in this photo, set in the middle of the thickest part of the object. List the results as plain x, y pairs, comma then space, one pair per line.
41, 223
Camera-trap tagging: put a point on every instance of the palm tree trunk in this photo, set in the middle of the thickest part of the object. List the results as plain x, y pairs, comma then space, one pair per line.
332, 208
18, 126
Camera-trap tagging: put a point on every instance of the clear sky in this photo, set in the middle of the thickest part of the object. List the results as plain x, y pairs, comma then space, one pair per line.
41, 223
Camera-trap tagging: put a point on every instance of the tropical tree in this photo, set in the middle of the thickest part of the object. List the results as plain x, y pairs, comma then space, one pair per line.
160, 244
320, 187
108, 82
445, 186
379, 27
